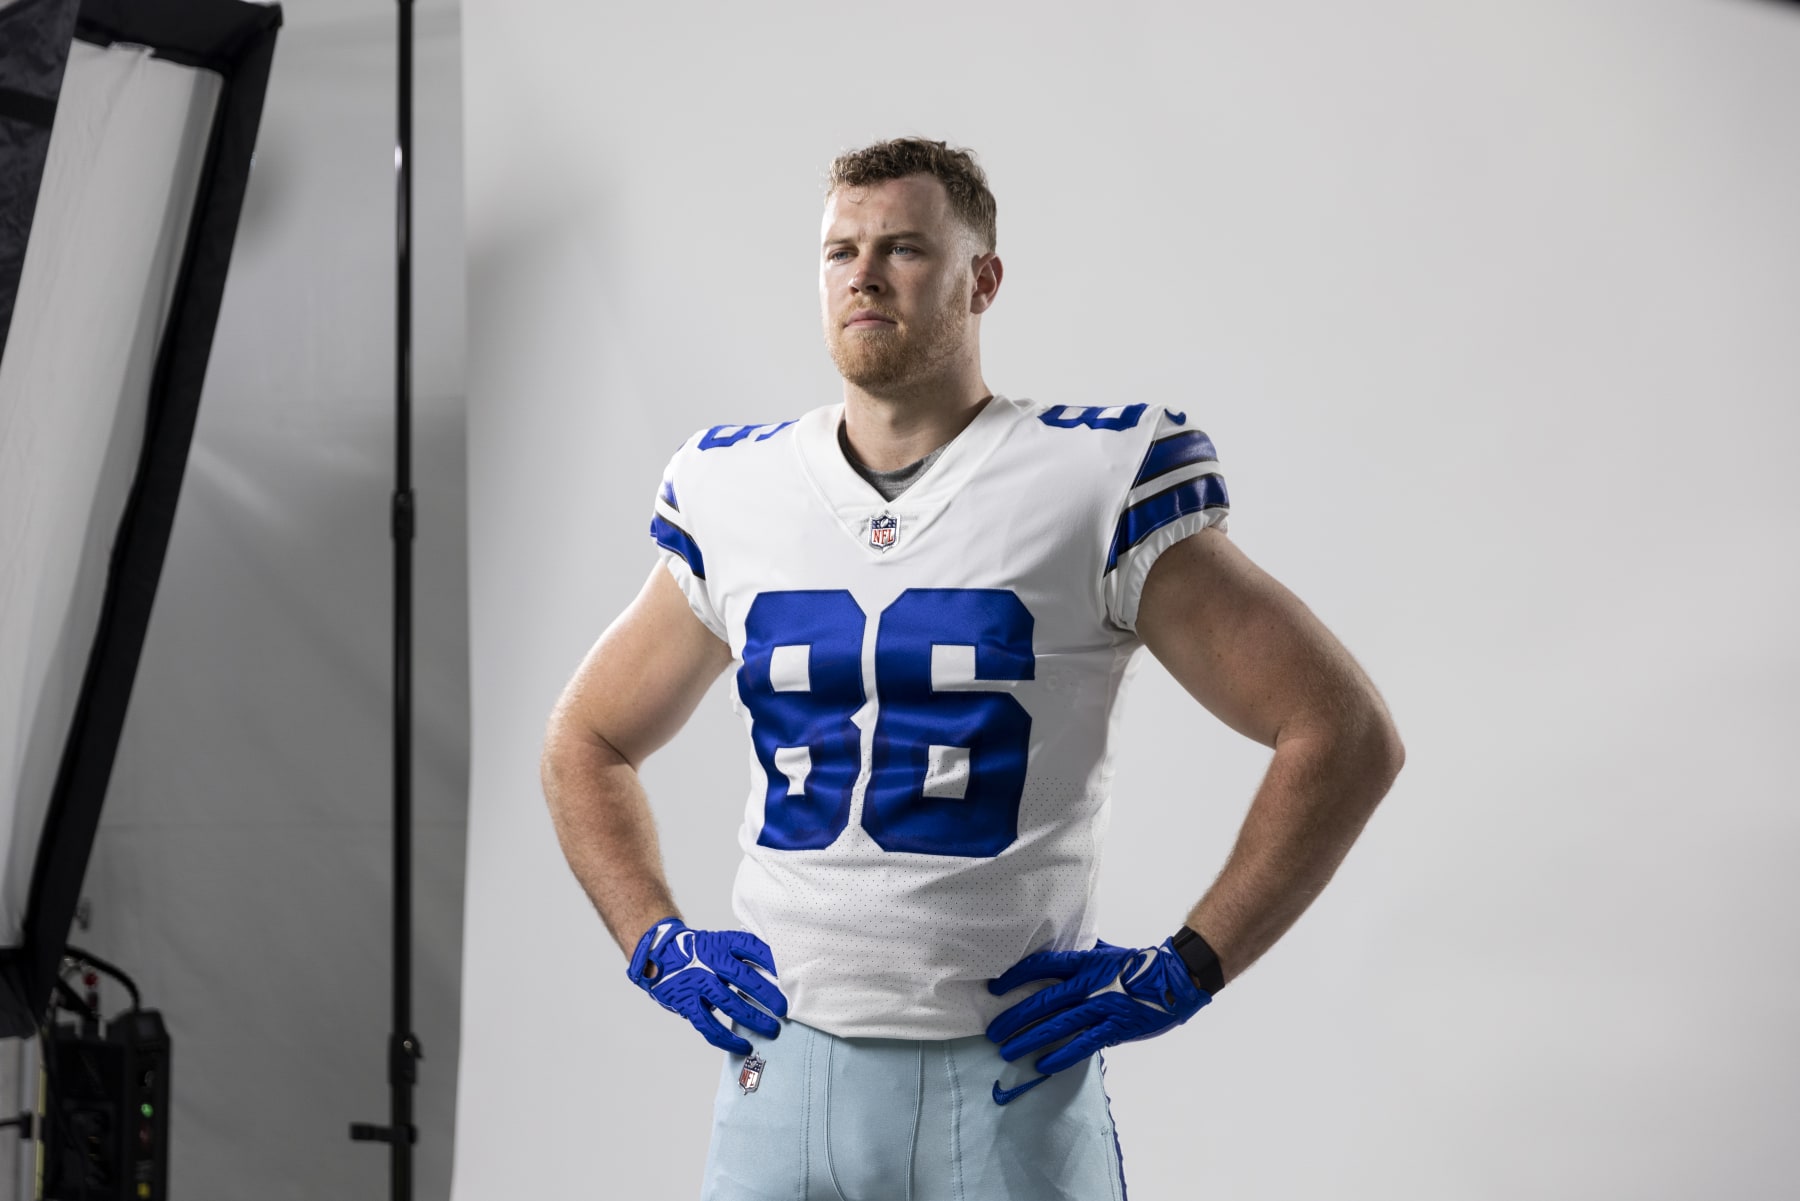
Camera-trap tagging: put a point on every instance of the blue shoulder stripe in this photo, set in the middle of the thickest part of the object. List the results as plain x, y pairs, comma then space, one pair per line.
670, 536
731, 435
668, 494
1154, 512
1177, 450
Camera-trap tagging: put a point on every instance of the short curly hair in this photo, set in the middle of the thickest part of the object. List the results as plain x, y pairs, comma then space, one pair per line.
895, 158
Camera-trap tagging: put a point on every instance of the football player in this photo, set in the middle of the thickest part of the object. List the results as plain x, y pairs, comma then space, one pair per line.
927, 624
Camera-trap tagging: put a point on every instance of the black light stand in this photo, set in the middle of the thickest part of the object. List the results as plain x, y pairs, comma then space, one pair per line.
403, 1046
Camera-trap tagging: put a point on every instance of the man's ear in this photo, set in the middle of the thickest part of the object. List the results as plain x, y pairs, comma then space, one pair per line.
985, 265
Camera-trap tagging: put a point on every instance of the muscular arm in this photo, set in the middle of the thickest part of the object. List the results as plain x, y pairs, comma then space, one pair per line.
633, 691
1249, 651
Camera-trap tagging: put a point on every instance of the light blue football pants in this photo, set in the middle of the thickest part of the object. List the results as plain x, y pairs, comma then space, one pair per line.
894, 1119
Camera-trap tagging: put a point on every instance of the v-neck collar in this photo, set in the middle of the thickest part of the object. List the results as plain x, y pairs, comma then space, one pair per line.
855, 502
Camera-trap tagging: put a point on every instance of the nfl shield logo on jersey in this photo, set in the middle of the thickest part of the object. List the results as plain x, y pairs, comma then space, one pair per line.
751, 1075
884, 531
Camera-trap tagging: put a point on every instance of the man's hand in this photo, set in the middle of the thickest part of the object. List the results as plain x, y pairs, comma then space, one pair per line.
1107, 995
693, 972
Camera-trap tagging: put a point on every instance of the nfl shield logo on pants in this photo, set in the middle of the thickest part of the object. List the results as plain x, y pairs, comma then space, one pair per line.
751, 1075
884, 531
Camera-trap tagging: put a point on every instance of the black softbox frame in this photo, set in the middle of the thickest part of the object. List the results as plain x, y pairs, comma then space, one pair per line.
236, 41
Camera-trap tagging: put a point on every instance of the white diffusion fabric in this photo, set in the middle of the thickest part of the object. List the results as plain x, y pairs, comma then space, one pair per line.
106, 245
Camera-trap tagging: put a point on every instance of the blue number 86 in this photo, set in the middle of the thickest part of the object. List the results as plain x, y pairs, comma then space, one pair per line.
947, 765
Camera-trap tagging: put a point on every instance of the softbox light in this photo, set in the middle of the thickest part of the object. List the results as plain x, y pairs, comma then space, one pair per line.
126, 213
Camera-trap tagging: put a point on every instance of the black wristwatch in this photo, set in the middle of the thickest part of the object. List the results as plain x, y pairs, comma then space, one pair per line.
1202, 962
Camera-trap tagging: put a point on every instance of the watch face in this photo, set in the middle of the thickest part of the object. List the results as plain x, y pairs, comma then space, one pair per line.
1202, 962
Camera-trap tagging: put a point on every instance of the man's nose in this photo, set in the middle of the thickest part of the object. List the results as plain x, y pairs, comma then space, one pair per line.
865, 281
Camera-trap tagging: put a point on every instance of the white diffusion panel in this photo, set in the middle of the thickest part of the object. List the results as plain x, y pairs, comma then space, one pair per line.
100, 269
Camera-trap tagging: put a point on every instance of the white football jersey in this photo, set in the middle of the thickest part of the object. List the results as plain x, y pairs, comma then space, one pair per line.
929, 684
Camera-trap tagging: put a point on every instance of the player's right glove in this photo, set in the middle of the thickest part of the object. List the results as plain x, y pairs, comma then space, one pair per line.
693, 972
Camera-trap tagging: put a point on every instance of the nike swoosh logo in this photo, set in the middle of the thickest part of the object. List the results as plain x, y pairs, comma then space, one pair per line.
1177, 418
1003, 1095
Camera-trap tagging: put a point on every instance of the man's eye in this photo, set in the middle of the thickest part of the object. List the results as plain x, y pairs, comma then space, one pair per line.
835, 255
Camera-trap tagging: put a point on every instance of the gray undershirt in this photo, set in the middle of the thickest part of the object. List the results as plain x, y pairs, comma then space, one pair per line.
889, 483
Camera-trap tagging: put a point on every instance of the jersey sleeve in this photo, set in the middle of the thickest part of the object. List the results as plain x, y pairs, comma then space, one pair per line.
1176, 492
678, 546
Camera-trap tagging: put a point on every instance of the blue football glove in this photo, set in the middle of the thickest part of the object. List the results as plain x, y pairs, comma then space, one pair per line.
692, 972
1106, 996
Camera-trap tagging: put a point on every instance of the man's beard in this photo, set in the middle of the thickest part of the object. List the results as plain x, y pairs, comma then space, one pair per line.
883, 358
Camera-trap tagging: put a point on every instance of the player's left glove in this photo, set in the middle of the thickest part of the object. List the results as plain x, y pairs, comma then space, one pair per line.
1105, 996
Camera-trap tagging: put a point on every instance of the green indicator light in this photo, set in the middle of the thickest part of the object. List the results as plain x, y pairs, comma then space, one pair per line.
148, 1112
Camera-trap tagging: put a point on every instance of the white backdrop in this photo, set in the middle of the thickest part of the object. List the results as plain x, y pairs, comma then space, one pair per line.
1490, 311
